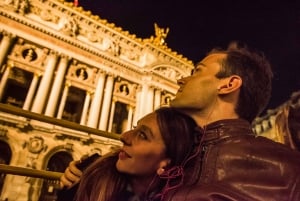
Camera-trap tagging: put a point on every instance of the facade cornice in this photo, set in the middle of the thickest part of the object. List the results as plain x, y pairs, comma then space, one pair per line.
81, 29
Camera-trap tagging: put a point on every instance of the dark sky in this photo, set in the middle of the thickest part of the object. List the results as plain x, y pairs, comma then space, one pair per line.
196, 26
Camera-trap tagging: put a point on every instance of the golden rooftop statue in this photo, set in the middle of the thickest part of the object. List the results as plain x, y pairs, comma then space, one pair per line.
160, 35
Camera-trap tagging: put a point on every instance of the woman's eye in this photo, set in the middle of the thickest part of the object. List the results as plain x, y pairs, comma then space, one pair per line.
142, 135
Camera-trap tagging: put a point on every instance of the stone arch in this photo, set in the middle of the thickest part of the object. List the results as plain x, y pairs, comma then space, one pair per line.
56, 160
5, 158
59, 161
64, 152
5, 152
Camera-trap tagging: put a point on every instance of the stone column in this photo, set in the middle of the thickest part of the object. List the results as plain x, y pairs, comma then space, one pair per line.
31, 91
4, 79
96, 102
56, 87
42, 93
137, 105
149, 103
106, 103
143, 101
130, 117
85, 108
157, 99
5, 44
63, 101
111, 117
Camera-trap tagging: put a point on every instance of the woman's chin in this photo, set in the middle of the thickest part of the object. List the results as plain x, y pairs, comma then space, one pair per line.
120, 166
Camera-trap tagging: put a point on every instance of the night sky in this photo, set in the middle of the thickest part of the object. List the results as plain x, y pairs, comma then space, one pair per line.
196, 26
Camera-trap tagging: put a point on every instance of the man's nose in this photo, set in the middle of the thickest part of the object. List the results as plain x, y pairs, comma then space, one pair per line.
126, 137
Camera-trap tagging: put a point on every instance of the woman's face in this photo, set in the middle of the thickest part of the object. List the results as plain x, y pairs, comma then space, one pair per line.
143, 151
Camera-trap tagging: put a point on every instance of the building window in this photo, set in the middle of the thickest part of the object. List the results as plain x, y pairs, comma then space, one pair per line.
17, 87
120, 120
74, 105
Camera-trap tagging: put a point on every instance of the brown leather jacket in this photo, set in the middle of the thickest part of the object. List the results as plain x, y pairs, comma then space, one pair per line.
239, 166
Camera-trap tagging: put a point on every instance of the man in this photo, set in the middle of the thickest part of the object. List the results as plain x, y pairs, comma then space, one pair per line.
226, 91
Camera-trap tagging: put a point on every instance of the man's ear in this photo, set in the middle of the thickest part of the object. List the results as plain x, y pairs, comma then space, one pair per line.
230, 84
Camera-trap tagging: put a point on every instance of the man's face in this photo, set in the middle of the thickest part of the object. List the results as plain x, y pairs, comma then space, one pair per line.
199, 90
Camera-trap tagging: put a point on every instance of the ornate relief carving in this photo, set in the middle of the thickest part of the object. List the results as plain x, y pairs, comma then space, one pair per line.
23, 6
93, 37
36, 145
48, 15
28, 54
122, 88
20, 6
82, 76
130, 54
68, 26
3, 133
125, 91
168, 72
114, 48
81, 73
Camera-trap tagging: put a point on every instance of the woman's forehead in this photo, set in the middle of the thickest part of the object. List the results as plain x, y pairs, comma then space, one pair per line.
150, 121
148, 118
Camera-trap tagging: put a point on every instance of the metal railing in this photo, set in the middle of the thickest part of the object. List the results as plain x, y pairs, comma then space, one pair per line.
60, 122
29, 172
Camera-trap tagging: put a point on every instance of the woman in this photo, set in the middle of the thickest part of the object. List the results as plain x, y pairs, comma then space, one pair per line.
151, 163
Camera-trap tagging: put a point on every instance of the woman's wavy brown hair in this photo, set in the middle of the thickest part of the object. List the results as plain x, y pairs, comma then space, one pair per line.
103, 182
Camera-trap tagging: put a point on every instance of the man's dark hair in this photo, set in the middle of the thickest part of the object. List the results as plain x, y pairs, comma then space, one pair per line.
256, 73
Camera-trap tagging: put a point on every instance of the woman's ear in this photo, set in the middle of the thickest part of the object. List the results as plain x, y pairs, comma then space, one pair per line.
162, 166
160, 171
230, 84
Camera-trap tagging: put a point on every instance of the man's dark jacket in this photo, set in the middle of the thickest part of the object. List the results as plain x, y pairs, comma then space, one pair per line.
239, 166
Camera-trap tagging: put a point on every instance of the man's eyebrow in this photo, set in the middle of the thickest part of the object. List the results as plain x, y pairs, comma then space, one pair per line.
199, 64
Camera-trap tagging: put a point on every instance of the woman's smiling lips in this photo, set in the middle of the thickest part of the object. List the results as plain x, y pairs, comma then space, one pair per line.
123, 155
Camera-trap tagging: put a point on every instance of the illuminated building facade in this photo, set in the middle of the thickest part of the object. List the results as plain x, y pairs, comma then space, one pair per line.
282, 124
61, 62
80, 81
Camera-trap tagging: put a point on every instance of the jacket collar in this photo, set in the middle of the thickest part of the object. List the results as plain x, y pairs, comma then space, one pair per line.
225, 128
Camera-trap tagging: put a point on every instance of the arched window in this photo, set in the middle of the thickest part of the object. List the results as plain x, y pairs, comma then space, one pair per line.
5, 157
58, 163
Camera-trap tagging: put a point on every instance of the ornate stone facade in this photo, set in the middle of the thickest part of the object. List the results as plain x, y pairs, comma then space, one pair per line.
61, 62
282, 124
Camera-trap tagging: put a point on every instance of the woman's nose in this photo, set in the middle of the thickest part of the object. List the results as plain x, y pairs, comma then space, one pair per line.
126, 137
